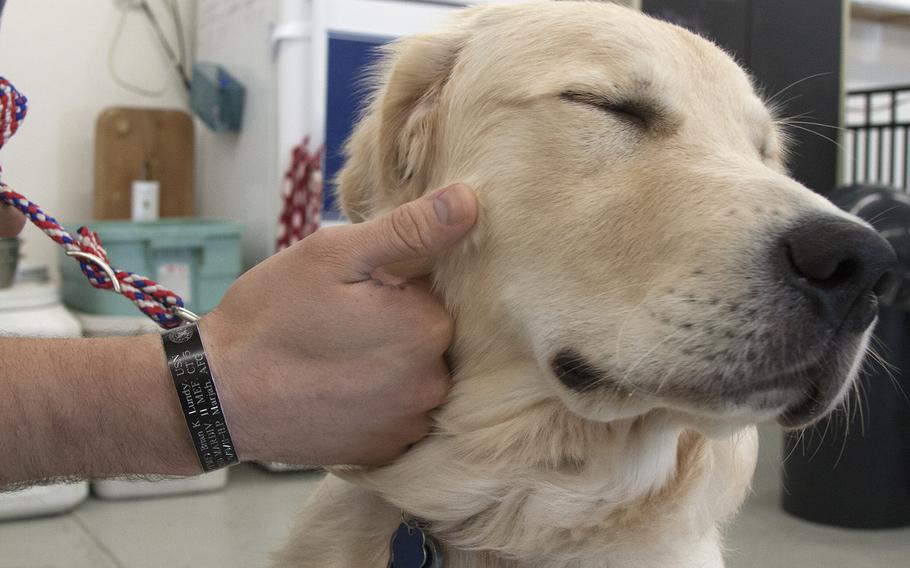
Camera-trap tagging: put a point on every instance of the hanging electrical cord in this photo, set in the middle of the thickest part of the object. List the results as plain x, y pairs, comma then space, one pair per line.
181, 37
178, 57
112, 66
177, 61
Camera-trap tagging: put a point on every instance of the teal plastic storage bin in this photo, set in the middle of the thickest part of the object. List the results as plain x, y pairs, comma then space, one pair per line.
195, 258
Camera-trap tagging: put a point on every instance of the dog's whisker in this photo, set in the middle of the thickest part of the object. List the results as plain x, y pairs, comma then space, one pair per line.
647, 353
843, 446
860, 402
795, 444
778, 107
671, 371
881, 215
770, 101
787, 119
889, 370
652, 285
819, 134
821, 442
857, 400
809, 123
843, 413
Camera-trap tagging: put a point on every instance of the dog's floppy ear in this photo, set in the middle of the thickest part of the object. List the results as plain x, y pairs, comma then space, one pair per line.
389, 156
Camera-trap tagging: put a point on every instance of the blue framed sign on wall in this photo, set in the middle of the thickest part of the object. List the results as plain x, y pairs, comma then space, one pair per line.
345, 36
350, 55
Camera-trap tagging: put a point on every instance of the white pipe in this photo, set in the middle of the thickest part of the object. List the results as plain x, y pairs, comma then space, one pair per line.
318, 69
290, 42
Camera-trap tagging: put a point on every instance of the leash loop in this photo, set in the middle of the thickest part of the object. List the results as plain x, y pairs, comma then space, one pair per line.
157, 302
160, 304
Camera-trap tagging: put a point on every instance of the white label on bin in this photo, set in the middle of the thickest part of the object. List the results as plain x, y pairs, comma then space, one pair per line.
177, 277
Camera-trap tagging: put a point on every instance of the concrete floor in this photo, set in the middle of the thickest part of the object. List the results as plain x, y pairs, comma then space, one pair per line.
239, 526
763, 536
236, 527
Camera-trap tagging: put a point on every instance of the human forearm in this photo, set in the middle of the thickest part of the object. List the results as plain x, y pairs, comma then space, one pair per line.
89, 408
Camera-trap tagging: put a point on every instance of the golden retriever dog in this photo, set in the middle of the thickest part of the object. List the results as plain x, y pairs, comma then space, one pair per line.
645, 283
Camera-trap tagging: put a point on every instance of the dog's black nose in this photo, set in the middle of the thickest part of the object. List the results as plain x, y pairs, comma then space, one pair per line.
841, 266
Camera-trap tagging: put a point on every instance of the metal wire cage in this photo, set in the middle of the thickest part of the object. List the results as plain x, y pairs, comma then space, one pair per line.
877, 138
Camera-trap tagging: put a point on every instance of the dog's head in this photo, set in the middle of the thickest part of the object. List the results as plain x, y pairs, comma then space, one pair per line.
639, 236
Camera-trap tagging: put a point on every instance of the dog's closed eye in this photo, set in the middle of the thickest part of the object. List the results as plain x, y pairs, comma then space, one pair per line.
636, 112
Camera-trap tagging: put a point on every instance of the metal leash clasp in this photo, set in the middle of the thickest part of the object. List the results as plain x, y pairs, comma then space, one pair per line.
97, 260
183, 313
187, 316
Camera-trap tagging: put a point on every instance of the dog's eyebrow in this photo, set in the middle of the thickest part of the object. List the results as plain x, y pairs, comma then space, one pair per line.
648, 112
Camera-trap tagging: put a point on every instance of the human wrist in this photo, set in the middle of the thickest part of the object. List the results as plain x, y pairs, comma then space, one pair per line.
225, 358
200, 402
264, 381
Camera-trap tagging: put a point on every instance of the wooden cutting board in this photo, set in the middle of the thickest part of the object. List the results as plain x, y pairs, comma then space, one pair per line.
130, 140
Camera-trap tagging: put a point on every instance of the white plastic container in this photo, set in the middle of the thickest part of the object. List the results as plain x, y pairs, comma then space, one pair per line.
276, 467
110, 326
34, 310
115, 326
118, 489
41, 501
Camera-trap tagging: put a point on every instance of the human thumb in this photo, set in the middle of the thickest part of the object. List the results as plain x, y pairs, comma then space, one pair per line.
422, 228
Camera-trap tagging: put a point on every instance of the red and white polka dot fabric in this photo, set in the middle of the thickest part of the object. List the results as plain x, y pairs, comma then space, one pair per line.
302, 194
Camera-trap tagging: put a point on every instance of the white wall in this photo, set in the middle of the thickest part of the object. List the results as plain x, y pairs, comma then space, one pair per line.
55, 52
238, 175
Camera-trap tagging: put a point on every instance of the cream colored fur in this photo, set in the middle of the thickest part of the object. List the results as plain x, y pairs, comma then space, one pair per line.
624, 245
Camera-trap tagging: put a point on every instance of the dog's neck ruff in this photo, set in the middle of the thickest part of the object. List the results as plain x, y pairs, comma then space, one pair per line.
527, 480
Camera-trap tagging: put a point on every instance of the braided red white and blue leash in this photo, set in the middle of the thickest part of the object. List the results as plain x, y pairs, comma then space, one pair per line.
163, 306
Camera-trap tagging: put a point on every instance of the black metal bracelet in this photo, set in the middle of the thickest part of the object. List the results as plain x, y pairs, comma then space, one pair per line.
199, 398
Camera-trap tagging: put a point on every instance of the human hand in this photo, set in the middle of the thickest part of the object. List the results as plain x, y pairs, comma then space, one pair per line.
11, 222
318, 362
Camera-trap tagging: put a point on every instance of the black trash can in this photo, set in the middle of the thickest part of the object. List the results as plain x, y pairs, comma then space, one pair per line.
862, 480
